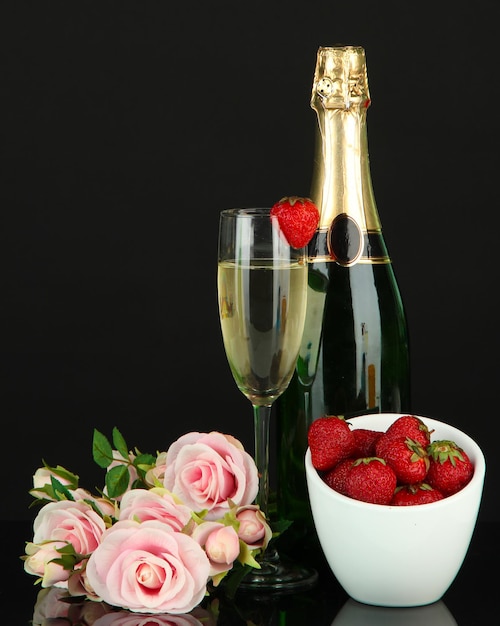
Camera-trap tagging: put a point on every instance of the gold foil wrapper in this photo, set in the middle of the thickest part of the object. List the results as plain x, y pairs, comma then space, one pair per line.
341, 186
340, 78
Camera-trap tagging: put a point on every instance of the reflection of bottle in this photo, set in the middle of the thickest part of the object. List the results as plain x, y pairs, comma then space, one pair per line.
354, 356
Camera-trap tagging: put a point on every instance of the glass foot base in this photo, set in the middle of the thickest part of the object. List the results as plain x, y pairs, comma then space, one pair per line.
278, 576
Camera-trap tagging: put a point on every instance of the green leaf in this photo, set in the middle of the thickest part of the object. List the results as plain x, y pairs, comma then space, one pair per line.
68, 557
279, 526
66, 562
101, 449
46, 489
138, 483
120, 443
246, 556
143, 463
61, 492
67, 549
145, 459
117, 480
231, 583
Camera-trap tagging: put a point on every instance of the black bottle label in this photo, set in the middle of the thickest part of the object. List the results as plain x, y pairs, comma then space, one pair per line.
345, 240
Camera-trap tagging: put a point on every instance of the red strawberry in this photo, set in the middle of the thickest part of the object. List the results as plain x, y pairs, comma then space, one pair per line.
450, 467
298, 219
420, 493
407, 457
336, 477
410, 426
365, 441
382, 445
371, 480
330, 440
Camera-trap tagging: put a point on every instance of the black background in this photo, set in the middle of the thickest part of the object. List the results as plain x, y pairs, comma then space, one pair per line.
126, 127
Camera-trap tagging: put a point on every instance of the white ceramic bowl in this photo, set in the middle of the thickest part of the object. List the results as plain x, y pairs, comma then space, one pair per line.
397, 556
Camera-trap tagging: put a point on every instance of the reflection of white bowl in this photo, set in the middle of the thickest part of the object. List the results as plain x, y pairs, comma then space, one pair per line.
354, 614
397, 556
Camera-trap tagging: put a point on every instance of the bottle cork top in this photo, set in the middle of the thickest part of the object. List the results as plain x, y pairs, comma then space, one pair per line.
340, 78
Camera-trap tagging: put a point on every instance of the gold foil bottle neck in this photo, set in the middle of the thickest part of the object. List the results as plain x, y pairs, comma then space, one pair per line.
340, 78
341, 184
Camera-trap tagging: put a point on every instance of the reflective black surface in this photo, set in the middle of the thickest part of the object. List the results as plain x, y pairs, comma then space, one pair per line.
472, 599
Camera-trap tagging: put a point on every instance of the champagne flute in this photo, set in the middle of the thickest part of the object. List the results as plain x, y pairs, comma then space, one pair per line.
262, 292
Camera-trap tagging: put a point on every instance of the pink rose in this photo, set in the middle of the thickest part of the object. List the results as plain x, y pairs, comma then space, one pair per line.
57, 525
39, 562
155, 476
105, 506
221, 544
148, 567
156, 503
74, 522
124, 618
42, 478
206, 470
254, 529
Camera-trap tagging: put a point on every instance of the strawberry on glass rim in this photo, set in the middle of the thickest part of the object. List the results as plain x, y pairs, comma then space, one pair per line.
298, 219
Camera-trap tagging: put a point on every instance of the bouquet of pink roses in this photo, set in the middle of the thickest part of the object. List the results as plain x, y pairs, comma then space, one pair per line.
163, 528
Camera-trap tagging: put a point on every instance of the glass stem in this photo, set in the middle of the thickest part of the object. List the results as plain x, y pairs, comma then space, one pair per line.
262, 416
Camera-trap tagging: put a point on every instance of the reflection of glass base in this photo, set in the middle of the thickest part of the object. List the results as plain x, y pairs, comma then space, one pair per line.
278, 576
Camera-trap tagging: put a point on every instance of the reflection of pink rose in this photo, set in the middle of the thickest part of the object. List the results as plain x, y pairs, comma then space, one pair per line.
207, 469
49, 606
149, 567
144, 504
74, 522
124, 618
254, 529
221, 545
87, 613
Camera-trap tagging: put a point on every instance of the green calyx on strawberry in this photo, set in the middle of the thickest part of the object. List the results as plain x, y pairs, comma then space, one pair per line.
419, 493
450, 467
443, 451
298, 219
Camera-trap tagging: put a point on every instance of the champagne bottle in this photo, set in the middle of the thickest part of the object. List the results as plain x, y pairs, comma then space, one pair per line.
354, 357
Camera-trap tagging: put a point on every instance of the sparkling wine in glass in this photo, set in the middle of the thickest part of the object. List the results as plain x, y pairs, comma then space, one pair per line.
262, 292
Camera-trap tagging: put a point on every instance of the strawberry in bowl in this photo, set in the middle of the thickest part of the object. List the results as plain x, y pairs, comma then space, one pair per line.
376, 548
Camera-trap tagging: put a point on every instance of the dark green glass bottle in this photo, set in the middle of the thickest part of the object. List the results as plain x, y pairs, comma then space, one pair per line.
355, 355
